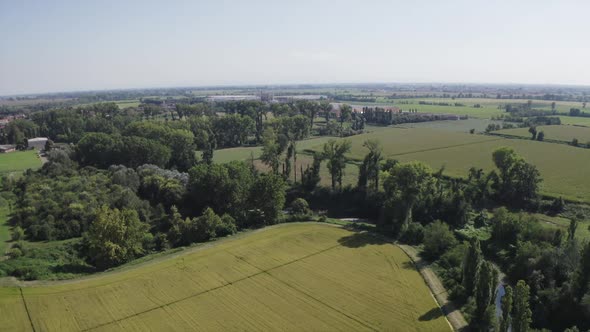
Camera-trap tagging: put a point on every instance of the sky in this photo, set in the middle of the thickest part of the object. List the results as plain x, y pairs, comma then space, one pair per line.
52, 46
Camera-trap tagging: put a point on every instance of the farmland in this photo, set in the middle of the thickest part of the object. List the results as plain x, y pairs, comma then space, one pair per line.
558, 133
294, 277
457, 152
18, 161
559, 165
463, 126
572, 120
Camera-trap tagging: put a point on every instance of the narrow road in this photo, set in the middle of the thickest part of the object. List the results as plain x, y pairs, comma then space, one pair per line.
454, 316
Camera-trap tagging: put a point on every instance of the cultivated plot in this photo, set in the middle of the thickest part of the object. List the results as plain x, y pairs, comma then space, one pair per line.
292, 277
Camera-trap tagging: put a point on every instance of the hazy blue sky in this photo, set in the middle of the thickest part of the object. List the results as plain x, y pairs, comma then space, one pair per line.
79, 45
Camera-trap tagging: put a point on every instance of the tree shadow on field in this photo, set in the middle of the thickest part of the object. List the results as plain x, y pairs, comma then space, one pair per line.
409, 265
358, 240
432, 314
73, 268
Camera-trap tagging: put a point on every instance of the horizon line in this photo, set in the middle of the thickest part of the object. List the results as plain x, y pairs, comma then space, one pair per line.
279, 85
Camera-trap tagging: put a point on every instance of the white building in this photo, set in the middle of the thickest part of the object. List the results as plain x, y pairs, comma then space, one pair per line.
37, 143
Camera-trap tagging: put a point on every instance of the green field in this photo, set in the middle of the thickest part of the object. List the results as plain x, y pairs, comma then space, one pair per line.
560, 165
400, 141
559, 133
574, 120
297, 277
245, 153
462, 126
19, 161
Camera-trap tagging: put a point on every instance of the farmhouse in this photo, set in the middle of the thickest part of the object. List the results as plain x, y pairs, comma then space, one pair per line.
7, 148
37, 143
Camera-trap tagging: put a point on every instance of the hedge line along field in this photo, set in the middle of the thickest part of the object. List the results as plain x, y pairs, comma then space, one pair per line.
558, 133
19, 161
300, 276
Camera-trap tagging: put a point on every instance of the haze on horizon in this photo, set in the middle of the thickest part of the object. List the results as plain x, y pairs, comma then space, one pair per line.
77, 45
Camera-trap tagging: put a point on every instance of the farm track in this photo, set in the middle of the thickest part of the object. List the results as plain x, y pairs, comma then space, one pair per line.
454, 315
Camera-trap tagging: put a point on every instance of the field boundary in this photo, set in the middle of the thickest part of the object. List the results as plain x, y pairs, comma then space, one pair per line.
453, 315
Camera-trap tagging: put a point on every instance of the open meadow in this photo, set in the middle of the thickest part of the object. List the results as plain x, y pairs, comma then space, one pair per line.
19, 161
300, 276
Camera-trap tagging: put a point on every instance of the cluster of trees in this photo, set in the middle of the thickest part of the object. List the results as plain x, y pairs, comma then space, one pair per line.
386, 117
140, 143
536, 135
123, 212
578, 112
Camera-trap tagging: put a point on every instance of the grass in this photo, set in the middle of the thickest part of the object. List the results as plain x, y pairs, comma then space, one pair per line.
573, 120
400, 141
292, 277
558, 164
462, 126
559, 133
245, 153
19, 161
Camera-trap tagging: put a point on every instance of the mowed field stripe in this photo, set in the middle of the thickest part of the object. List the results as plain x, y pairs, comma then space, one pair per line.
215, 288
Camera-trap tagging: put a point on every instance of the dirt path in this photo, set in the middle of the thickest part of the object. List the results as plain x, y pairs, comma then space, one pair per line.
454, 316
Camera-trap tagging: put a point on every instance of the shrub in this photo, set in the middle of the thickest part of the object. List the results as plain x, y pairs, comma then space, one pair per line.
14, 253
300, 206
300, 210
227, 226
18, 234
438, 238
414, 234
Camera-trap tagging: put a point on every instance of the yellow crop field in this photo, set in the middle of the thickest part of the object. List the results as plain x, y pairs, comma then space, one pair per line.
302, 276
